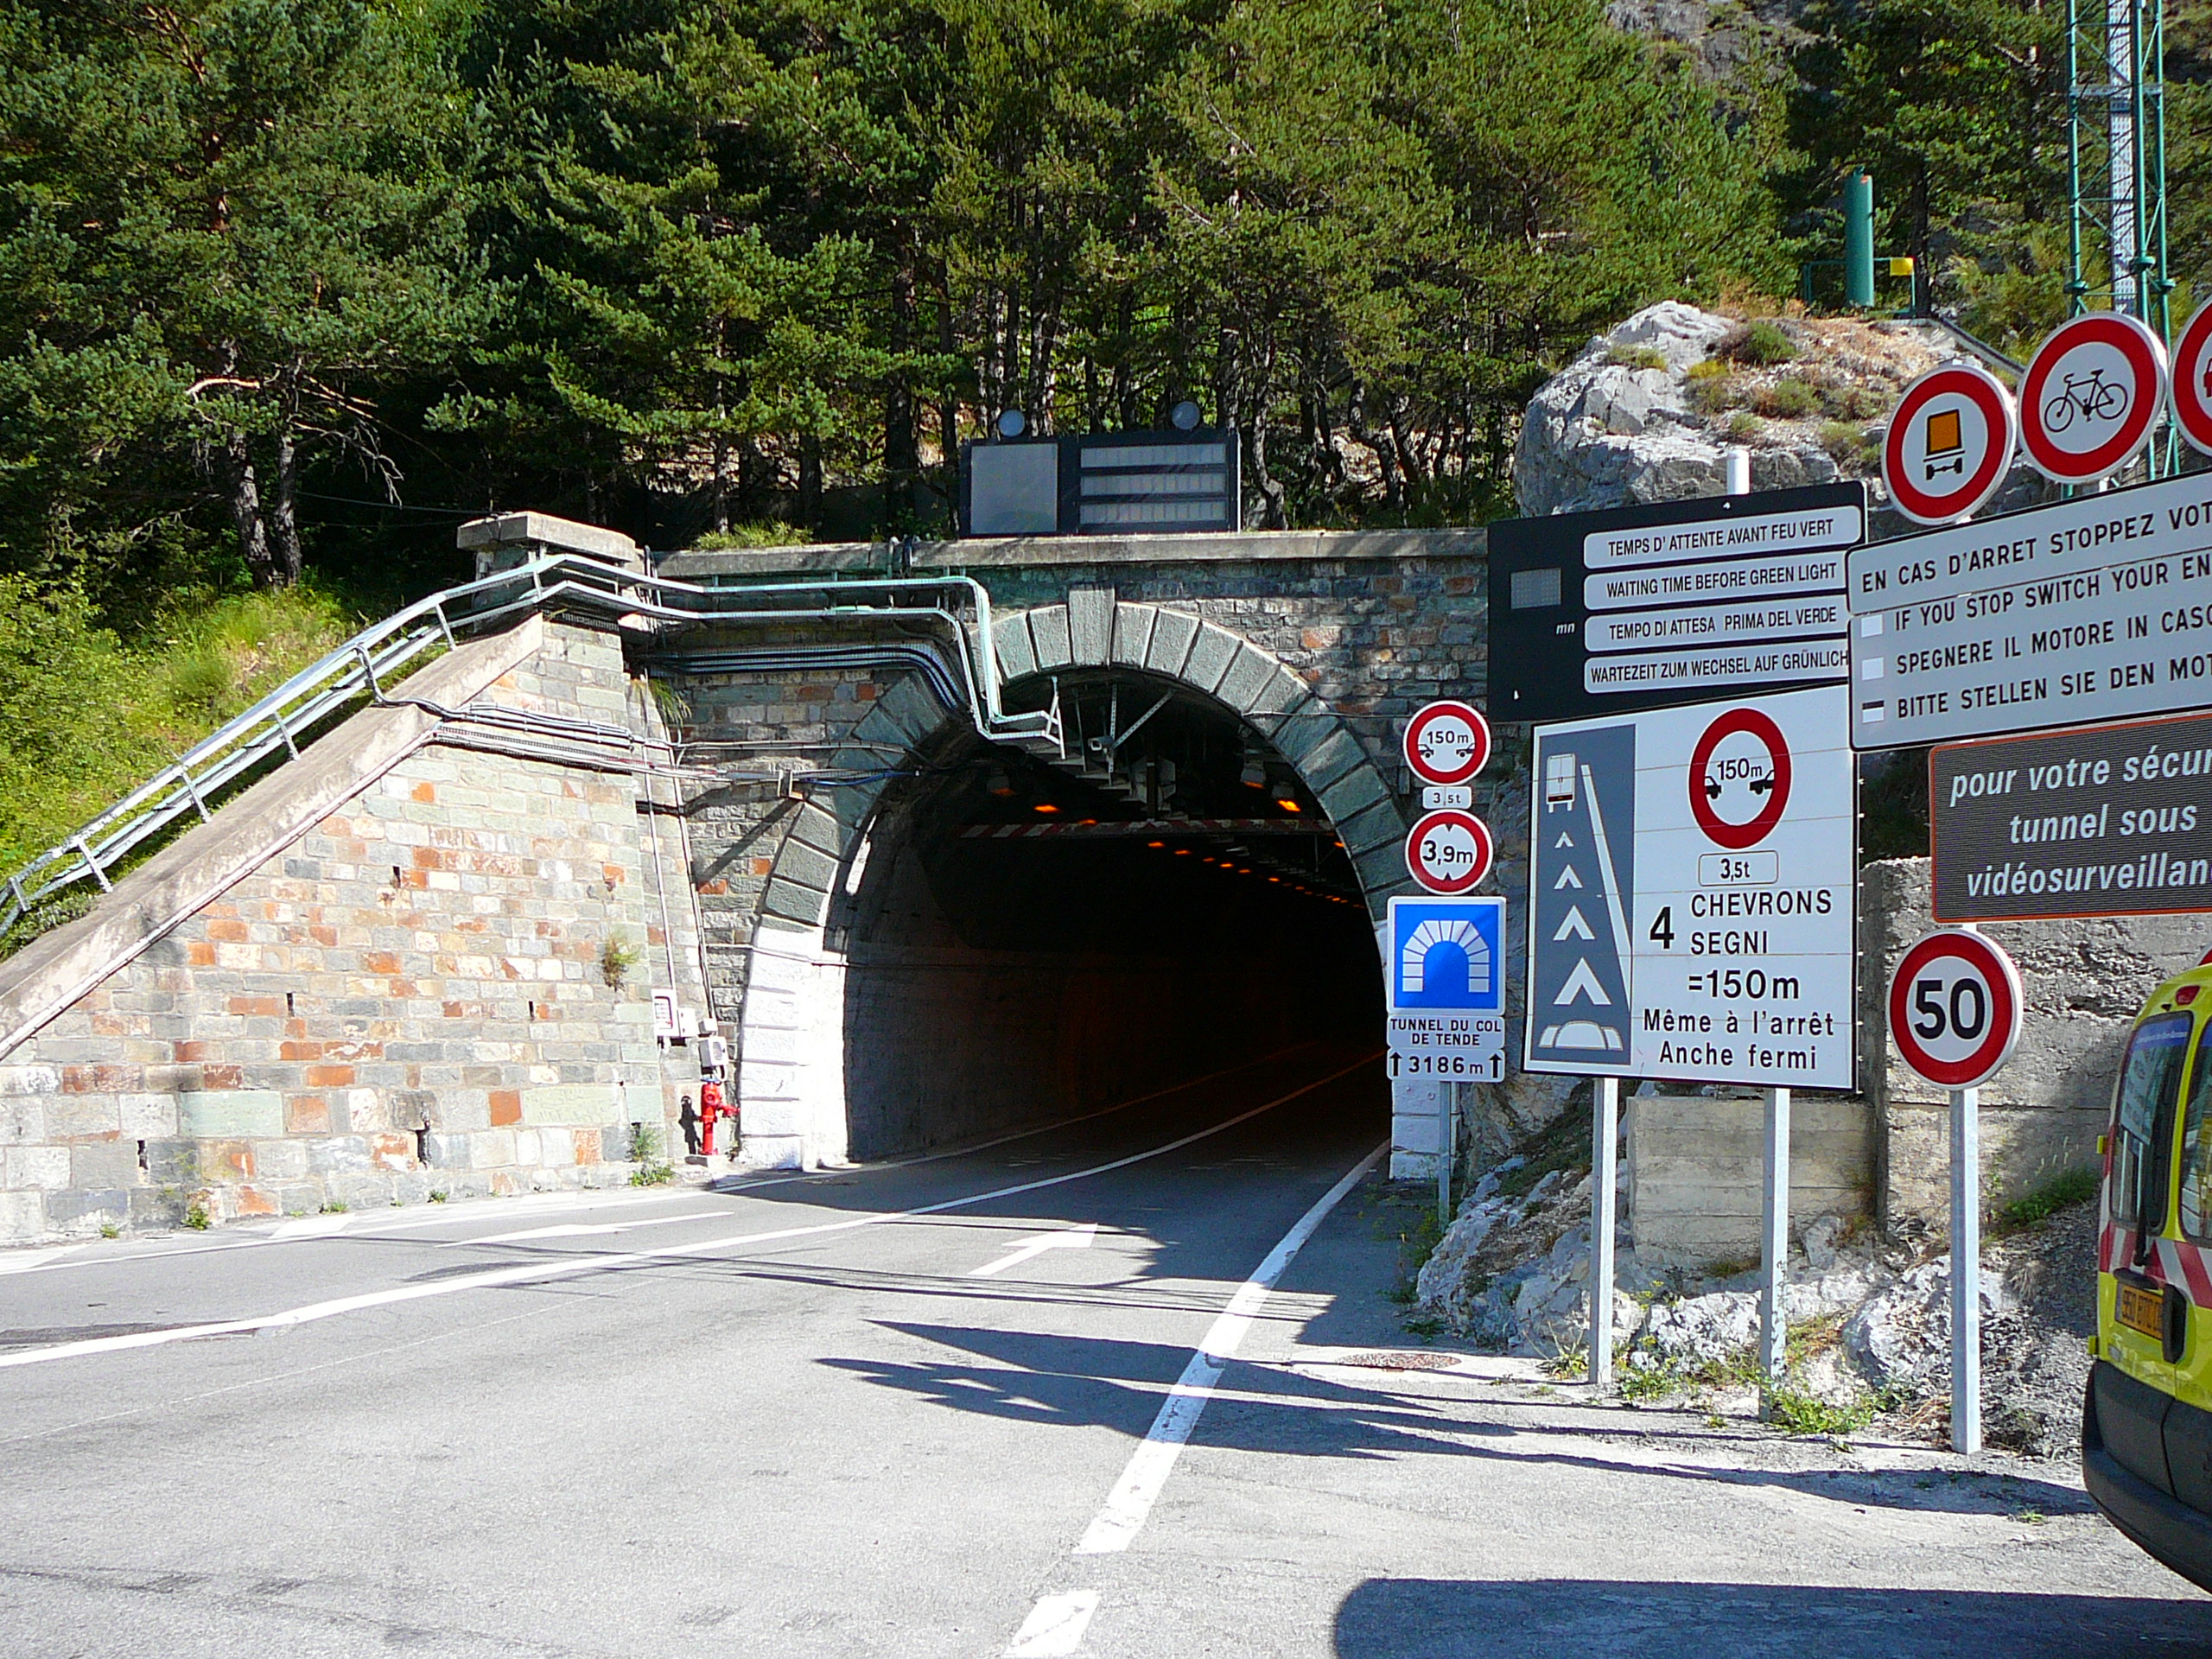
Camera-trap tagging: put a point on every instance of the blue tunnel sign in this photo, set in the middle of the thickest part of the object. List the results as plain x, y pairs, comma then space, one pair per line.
1446, 970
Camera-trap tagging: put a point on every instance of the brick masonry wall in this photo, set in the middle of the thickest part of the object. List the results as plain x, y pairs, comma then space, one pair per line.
409, 1001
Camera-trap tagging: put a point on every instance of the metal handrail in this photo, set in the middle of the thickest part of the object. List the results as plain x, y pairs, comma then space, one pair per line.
367, 663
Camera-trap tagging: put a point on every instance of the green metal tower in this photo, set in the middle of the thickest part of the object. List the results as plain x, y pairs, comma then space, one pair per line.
2116, 159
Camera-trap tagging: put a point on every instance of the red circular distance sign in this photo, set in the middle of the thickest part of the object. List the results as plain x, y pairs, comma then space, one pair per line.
1954, 1007
1449, 851
1448, 743
2191, 386
1715, 778
1950, 443
2090, 397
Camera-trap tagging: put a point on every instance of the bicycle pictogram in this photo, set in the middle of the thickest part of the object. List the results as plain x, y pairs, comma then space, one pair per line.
2095, 400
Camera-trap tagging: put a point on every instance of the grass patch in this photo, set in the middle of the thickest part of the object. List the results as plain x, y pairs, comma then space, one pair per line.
766, 533
1799, 1413
85, 715
2034, 1207
1785, 399
1636, 357
1709, 394
1848, 444
1743, 426
1756, 345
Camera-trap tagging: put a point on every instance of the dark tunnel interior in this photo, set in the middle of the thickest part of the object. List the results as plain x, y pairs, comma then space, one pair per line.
1028, 937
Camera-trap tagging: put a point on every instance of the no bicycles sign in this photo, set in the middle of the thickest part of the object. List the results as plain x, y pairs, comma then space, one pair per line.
2090, 397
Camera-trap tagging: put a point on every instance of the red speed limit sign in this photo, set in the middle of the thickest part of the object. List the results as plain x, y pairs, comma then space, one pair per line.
1954, 1007
1448, 851
1448, 743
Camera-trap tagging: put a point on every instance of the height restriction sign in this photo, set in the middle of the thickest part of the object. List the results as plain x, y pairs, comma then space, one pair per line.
1690, 905
1448, 851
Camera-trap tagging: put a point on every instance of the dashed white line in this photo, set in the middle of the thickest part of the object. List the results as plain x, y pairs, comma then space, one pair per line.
1055, 1626
1027, 1249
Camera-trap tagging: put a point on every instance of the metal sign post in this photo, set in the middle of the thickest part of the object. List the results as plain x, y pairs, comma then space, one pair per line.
1955, 1009
1966, 1270
1604, 1127
1447, 1147
1774, 1237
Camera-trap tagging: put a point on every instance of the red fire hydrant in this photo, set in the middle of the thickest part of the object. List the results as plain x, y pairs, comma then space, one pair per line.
712, 1106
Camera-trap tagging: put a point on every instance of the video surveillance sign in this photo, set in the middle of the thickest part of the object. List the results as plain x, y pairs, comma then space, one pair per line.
1692, 875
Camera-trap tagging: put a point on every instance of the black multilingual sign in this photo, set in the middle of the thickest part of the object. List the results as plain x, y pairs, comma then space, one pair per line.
2098, 821
1681, 601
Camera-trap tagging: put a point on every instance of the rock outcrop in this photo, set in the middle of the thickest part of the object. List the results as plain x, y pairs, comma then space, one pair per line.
1648, 411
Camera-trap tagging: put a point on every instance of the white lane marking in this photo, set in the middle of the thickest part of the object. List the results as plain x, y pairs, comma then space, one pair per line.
1027, 1249
541, 1272
24, 1261
1133, 1495
309, 1227
1055, 1625
582, 1230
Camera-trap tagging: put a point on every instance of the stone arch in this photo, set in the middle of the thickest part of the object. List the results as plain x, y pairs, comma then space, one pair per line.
791, 1076
1094, 629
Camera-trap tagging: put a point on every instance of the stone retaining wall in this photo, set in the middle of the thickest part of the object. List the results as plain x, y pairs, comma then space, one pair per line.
410, 998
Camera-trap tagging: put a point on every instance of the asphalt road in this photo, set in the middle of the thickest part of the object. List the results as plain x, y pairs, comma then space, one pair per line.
942, 1409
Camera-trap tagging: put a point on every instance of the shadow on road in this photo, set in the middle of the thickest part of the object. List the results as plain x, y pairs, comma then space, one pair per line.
1431, 1618
1092, 1382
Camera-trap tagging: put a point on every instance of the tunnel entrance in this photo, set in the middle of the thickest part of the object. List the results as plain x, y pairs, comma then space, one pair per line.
1026, 938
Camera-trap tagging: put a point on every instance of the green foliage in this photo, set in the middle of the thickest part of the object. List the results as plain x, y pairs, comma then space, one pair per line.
85, 718
1849, 445
197, 1218
226, 225
2039, 1204
652, 1169
617, 958
1636, 357
739, 537
1797, 1411
1743, 426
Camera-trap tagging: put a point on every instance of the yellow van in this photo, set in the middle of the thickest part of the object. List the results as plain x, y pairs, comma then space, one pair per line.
2146, 1425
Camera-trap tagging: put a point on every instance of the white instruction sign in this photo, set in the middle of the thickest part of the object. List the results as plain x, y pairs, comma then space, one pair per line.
1692, 873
